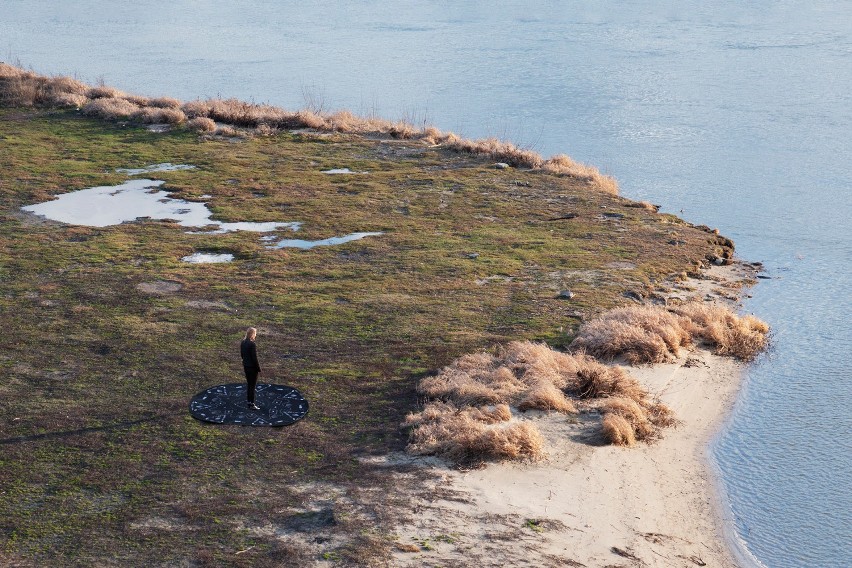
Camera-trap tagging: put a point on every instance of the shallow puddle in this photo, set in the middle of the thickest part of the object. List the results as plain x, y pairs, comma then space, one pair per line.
164, 167
305, 245
139, 198
208, 257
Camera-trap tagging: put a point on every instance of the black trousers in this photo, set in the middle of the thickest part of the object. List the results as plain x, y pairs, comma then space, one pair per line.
251, 379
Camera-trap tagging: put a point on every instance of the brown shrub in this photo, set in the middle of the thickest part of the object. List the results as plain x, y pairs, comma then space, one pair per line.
596, 380
264, 129
139, 101
154, 115
201, 124
617, 430
402, 130
308, 119
110, 109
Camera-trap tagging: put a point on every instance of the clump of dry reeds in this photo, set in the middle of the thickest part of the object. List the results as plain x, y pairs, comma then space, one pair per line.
19, 87
654, 334
470, 433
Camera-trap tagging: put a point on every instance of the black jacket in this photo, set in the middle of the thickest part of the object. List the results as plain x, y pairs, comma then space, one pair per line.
248, 351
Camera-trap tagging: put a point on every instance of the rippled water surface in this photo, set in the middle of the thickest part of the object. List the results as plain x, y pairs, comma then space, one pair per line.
734, 116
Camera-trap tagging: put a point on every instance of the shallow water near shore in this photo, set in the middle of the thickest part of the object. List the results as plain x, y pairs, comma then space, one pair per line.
735, 117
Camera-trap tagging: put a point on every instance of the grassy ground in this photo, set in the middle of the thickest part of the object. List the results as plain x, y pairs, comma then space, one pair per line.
101, 463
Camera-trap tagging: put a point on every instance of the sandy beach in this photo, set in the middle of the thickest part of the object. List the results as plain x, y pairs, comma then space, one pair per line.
589, 504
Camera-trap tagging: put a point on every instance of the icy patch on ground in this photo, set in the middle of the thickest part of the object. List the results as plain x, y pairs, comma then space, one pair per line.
164, 167
139, 198
342, 171
305, 245
208, 257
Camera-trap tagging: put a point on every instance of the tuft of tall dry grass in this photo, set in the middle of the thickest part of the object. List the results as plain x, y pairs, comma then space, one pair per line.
469, 433
110, 108
743, 337
641, 334
523, 374
19, 87
477, 390
654, 334
617, 430
201, 124
159, 115
564, 165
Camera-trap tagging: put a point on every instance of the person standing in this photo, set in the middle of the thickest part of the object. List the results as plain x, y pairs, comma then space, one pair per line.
248, 352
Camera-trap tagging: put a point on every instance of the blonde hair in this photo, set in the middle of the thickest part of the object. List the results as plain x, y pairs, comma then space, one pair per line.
251, 333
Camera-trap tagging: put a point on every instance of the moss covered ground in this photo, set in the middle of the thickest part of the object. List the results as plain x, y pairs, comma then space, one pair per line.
100, 462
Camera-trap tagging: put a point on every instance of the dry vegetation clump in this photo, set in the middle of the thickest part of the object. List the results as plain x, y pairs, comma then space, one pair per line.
110, 108
641, 334
164, 102
617, 430
159, 115
564, 165
478, 389
201, 124
19, 87
654, 334
104, 92
496, 150
743, 337
522, 374
596, 380
25, 88
470, 434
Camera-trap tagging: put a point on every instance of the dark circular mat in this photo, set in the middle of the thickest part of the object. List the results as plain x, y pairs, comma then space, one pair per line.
226, 404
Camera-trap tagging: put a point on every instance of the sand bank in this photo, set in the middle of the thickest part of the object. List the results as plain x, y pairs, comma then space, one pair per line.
590, 504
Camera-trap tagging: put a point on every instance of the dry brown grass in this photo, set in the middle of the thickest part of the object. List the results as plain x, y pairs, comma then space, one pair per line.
523, 374
617, 430
164, 102
564, 165
110, 108
478, 389
105, 92
471, 434
743, 337
158, 115
654, 334
201, 124
19, 87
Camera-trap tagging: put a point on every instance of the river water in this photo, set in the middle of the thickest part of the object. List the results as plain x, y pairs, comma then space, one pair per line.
739, 117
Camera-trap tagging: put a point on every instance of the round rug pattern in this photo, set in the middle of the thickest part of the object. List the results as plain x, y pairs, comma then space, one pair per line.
226, 404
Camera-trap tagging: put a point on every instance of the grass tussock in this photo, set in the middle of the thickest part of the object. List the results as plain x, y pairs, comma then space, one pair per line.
201, 124
157, 115
110, 108
743, 337
617, 430
470, 433
478, 390
654, 334
19, 87
641, 334
522, 374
